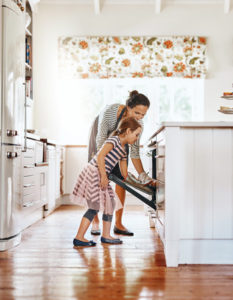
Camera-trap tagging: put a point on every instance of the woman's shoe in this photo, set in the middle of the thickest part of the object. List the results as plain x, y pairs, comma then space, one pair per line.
123, 232
110, 241
77, 243
95, 232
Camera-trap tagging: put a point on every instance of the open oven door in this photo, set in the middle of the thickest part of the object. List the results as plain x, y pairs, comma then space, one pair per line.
135, 188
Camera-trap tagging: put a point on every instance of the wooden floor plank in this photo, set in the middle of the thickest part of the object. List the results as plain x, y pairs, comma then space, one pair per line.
46, 266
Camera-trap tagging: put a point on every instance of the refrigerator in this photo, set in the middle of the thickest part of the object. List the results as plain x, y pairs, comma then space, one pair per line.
12, 121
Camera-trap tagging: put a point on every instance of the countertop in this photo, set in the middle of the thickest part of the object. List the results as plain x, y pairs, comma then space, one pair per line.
33, 136
192, 125
36, 137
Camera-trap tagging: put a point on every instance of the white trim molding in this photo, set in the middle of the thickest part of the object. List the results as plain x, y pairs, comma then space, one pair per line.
97, 6
34, 4
157, 3
227, 4
158, 6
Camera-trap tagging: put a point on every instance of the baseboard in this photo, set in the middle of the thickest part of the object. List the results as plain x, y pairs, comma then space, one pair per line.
206, 252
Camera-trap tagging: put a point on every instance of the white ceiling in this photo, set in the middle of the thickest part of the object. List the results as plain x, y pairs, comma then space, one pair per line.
158, 4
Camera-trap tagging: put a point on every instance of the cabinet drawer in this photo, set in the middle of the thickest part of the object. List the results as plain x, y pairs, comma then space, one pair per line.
28, 190
28, 153
28, 200
28, 161
28, 170
30, 144
28, 180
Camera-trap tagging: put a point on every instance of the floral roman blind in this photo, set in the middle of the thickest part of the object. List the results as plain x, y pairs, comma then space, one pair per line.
127, 57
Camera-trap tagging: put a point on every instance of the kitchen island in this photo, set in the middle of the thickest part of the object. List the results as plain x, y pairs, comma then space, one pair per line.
194, 164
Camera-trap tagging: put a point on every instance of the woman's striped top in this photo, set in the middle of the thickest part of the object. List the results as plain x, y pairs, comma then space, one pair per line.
114, 156
107, 124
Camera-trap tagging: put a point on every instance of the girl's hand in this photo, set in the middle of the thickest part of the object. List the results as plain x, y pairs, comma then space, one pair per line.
101, 164
103, 182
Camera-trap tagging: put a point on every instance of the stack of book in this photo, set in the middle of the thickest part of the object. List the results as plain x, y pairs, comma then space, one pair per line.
28, 51
226, 109
29, 87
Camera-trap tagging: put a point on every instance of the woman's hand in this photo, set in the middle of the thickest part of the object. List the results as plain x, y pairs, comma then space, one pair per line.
147, 180
104, 182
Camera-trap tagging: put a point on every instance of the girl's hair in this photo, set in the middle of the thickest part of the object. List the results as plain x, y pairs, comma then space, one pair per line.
135, 98
126, 123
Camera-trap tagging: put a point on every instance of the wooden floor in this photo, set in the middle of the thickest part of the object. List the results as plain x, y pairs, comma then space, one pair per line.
46, 266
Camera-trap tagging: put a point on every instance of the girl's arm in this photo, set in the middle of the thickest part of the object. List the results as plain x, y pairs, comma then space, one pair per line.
124, 168
101, 164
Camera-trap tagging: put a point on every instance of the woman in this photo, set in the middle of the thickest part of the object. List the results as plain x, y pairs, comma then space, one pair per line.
136, 106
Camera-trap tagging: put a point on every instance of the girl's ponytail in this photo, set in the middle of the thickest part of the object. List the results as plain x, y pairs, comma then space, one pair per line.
115, 132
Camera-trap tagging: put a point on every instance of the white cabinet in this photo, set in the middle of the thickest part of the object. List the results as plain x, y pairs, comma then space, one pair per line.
29, 174
196, 225
51, 159
35, 176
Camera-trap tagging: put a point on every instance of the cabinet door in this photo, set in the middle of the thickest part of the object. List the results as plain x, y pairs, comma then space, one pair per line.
51, 154
41, 185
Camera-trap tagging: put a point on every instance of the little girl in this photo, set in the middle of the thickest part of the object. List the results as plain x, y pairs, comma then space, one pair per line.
93, 188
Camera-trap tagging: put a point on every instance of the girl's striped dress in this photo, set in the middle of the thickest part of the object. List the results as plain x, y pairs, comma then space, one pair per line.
87, 191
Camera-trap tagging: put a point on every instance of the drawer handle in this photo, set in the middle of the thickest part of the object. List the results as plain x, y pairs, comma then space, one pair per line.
26, 185
29, 166
159, 156
28, 204
11, 155
11, 132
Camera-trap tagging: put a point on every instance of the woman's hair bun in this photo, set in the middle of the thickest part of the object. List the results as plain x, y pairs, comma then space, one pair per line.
136, 98
133, 93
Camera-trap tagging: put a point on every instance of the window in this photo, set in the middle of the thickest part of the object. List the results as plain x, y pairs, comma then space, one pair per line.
172, 99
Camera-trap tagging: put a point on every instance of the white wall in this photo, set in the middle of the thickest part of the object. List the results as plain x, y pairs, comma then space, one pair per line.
52, 21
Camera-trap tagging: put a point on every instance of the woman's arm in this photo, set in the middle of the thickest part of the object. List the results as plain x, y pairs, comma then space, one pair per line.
143, 177
101, 164
138, 165
107, 123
